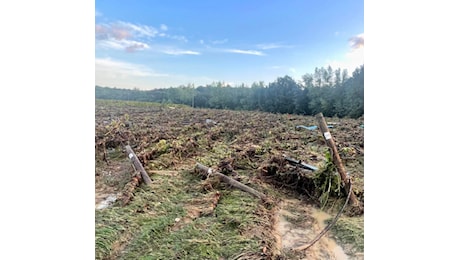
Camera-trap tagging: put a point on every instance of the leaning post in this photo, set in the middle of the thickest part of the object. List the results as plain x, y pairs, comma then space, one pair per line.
137, 164
336, 158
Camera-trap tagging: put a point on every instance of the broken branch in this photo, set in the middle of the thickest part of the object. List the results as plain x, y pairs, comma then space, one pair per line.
208, 171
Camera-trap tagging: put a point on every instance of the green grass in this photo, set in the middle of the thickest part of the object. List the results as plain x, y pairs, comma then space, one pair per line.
350, 230
149, 222
105, 237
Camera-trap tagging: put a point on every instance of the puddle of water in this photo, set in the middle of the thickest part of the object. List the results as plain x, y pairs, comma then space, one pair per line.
107, 202
304, 230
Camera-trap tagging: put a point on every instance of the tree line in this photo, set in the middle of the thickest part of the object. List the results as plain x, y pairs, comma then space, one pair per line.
332, 92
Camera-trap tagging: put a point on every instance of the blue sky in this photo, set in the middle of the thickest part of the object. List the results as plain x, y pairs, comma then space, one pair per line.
159, 44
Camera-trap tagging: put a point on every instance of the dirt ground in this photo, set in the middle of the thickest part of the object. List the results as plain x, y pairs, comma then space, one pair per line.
247, 146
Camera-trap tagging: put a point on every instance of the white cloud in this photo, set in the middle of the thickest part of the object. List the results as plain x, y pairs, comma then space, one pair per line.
127, 45
98, 13
138, 30
132, 37
116, 69
123, 35
113, 73
353, 58
180, 52
250, 52
268, 46
176, 37
111, 44
136, 46
219, 41
357, 41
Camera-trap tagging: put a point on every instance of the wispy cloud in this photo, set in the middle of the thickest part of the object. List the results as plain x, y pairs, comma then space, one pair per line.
354, 57
163, 34
137, 30
136, 46
115, 73
175, 37
97, 13
268, 46
249, 52
180, 52
351, 61
131, 37
207, 46
219, 41
123, 35
357, 41
127, 45
112, 68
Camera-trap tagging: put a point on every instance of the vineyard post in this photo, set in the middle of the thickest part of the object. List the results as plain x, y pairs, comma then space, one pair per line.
137, 164
336, 157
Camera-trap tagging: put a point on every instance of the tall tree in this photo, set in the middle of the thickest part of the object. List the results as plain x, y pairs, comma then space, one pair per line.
283, 92
344, 75
328, 76
338, 77
308, 80
356, 93
318, 77
257, 95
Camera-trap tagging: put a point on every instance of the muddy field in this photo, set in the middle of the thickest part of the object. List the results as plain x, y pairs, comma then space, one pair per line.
183, 215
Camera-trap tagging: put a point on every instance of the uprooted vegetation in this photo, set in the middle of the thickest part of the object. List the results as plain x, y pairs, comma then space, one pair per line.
183, 215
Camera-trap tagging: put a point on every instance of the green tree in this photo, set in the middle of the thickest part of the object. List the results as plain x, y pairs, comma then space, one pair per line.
257, 96
327, 91
338, 77
282, 94
318, 76
356, 93
328, 76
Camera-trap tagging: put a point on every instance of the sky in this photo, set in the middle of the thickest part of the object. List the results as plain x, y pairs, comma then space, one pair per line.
160, 44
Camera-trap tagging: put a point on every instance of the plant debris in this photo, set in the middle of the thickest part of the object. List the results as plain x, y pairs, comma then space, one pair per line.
181, 215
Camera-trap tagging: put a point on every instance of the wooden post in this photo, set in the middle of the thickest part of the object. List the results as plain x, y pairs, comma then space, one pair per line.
137, 164
336, 157
206, 170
